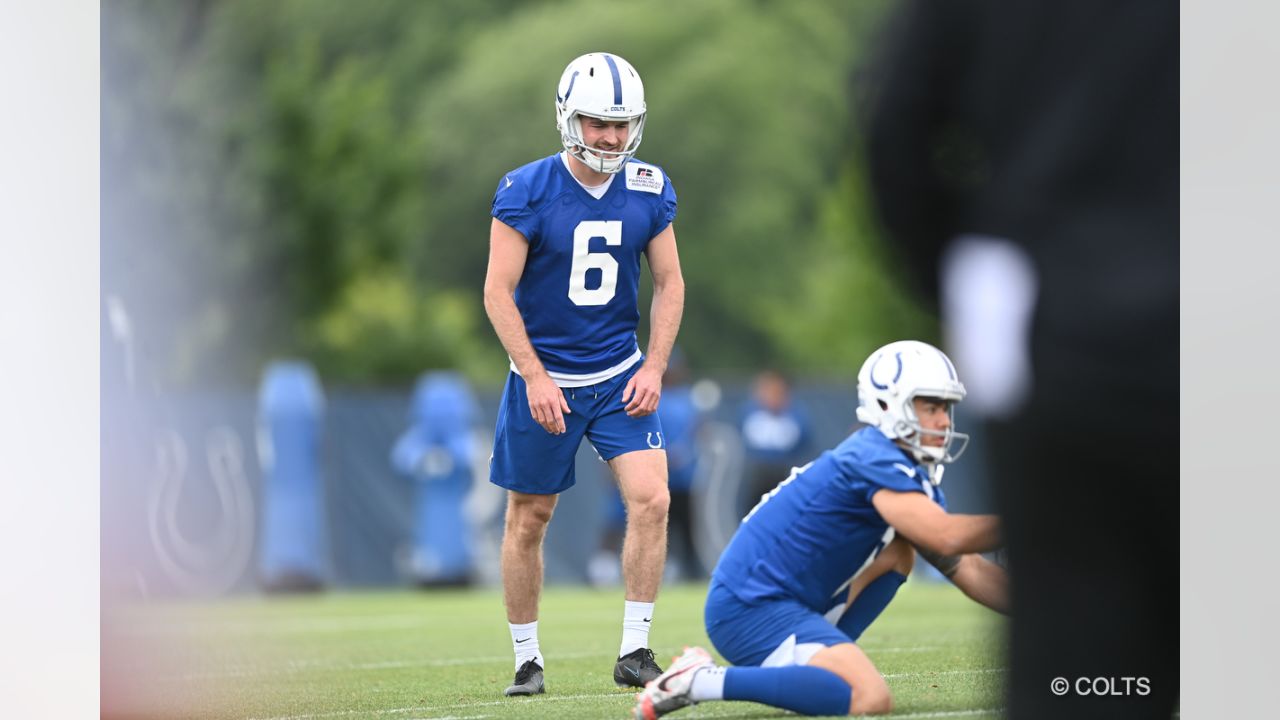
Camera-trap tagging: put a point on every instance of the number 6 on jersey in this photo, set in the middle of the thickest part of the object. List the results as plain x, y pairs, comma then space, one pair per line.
584, 260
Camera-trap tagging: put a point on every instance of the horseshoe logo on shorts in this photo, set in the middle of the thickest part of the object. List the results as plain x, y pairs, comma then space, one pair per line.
649, 439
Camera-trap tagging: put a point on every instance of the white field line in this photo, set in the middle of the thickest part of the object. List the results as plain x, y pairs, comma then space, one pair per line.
557, 698
297, 666
187, 626
420, 708
283, 626
898, 716
950, 713
947, 672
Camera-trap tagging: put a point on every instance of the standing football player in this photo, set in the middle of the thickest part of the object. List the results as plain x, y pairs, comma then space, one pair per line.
819, 558
561, 291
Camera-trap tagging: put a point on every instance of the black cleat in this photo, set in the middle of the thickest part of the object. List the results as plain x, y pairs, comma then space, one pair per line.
636, 669
528, 680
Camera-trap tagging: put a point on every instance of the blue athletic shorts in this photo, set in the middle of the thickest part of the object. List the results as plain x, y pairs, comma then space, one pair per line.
528, 459
747, 634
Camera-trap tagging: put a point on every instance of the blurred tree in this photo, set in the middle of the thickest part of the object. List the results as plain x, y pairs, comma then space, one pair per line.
315, 177
264, 150
854, 303
405, 329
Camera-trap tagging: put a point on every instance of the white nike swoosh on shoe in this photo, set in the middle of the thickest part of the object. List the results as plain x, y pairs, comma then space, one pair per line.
663, 685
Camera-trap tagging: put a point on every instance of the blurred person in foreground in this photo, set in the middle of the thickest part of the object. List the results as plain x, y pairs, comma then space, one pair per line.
822, 555
775, 434
567, 235
1024, 159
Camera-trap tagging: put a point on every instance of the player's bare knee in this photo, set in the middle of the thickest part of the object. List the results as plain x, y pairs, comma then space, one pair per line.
527, 520
530, 517
651, 506
906, 559
870, 696
871, 701
525, 534
898, 556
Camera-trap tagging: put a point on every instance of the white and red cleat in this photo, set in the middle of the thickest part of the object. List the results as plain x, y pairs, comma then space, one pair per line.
670, 691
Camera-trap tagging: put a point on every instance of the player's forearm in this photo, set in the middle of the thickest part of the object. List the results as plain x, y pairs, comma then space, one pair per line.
984, 582
509, 327
964, 534
664, 321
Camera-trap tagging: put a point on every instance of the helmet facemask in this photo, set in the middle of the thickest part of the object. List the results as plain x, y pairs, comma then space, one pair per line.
912, 433
602, 161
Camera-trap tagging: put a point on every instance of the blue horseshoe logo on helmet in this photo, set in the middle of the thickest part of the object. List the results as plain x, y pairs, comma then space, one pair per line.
896, 356
572, 79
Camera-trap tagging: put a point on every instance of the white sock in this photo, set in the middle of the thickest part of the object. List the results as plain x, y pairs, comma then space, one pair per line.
524, 640
708, 684
635, 626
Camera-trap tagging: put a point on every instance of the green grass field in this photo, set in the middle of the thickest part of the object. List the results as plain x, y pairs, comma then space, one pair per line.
405, 654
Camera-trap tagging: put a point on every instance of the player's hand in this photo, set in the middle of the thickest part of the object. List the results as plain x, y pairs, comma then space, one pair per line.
547, 403
642, 392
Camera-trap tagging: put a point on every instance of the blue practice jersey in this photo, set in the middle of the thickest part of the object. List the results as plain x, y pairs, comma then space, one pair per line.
817, 529
578, 295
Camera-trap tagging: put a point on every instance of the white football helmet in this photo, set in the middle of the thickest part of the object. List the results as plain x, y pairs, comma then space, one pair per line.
892, 378
605, 86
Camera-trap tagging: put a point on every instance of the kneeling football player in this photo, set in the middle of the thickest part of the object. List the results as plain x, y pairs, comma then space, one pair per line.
820, 556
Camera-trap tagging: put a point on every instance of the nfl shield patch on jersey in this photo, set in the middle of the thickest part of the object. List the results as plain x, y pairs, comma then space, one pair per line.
645, 178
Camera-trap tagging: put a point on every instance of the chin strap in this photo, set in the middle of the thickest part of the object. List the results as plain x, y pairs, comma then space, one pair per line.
935, 473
